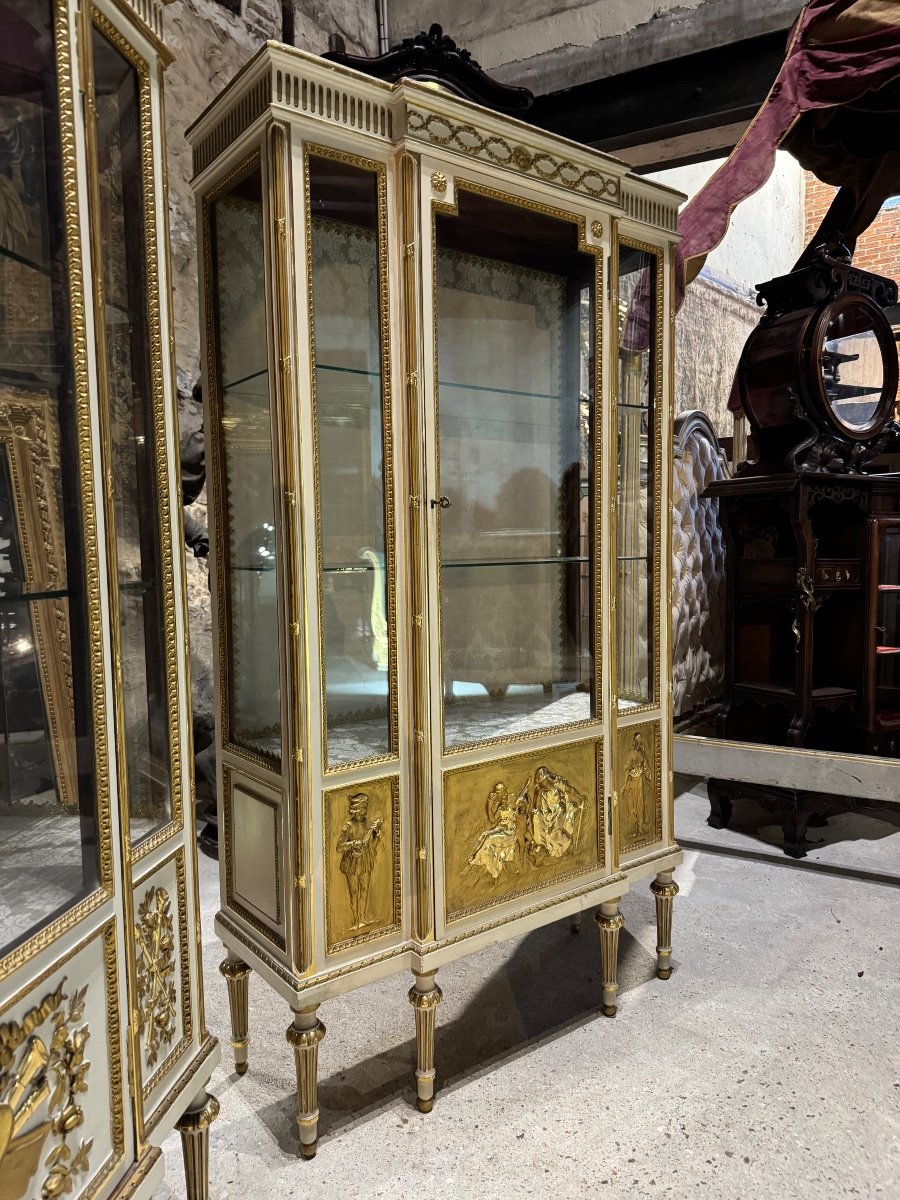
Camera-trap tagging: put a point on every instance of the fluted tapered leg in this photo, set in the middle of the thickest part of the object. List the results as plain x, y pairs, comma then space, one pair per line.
425, 996
237, 976
194, 1129
304, 1034
665, 889
609, 922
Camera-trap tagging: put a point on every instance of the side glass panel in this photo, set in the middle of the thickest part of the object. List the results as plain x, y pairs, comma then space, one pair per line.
353, 477
515, 330
48, 833
248, 548
635, 618
133, 444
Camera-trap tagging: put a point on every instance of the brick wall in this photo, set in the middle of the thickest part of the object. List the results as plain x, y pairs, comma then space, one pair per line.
879, 247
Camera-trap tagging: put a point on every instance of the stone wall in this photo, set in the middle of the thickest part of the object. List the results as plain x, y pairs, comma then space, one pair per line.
211, 41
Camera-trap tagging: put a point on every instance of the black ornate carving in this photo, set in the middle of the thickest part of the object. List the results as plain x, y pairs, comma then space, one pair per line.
838, 495
828, 276
435, 58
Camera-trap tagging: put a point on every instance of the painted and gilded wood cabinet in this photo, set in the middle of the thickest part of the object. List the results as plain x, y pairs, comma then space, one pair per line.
438, 376
103, 1043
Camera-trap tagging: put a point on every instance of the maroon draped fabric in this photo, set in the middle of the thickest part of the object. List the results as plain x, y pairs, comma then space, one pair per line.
835, 106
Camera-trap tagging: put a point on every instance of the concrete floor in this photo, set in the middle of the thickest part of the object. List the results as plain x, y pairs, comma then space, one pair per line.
768, 1065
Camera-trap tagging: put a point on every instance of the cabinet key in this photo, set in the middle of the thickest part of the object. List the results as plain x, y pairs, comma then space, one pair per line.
442, 503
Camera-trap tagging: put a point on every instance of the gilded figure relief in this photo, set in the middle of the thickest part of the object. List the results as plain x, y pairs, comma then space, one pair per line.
362, 861
538, 824
637, 790
498, 846
542, 821
43, 1072
639, 787
358, 846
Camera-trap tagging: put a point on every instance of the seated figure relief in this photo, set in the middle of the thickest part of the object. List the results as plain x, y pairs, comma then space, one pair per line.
541, 821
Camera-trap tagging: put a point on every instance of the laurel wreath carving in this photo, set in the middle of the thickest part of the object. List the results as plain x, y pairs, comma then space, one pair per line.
442, 132
154, 933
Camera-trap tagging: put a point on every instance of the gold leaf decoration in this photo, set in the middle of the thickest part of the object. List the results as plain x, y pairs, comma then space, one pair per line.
155, 942
42, 1074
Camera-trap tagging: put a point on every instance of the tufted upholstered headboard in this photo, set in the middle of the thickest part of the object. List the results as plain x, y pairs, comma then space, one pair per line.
698, 566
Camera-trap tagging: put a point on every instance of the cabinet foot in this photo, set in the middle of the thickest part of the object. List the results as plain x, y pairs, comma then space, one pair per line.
609, 922
425, 996
194, 1129
304, 1034
665, 889
719, 805
237, 976
793, 826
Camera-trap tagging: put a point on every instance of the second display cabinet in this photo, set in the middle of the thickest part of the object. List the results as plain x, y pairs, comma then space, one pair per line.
438, 368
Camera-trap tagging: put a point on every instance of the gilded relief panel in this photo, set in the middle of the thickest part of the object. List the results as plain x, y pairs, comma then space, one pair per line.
518, 824
163, 1000
61, 1098
638, 783
362, 862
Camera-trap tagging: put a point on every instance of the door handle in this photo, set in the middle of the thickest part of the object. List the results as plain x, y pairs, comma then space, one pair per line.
442, 503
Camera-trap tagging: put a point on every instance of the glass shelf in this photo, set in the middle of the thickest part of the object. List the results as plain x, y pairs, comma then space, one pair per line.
889, 587
519, 562
30, 597
348, 370
245, 379
498, 391
887, 649
5, 252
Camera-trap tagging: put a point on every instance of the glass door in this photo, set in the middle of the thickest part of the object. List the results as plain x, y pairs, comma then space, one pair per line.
48, 780
515, 510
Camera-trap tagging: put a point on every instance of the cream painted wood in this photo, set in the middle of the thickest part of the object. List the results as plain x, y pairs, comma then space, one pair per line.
94, 1128
862, 776
427, 151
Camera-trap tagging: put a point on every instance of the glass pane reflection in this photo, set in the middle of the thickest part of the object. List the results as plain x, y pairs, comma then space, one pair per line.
249, 561
515, 318
347, 302
48, 834
132, 438
852, 367
636, 436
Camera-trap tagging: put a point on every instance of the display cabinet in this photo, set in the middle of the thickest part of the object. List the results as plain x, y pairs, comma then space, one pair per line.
438, 376
103, 1043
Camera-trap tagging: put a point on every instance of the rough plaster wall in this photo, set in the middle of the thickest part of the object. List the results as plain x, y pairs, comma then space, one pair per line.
210, 45
765, 238
550, 44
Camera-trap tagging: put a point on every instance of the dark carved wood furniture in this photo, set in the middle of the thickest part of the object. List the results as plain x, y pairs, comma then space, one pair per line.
812, 641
